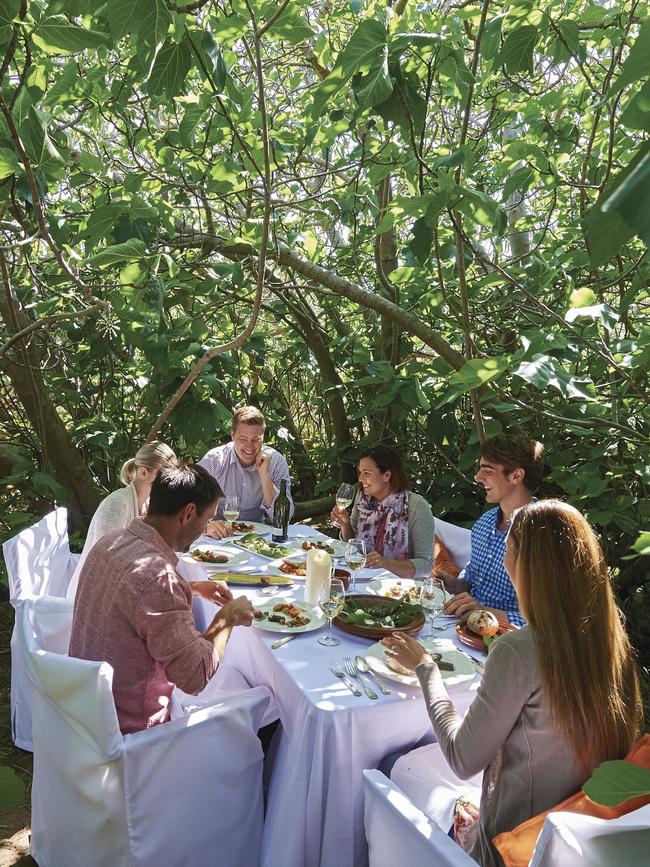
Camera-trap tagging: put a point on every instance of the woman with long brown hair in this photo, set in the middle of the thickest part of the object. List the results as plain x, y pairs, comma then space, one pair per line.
558, 697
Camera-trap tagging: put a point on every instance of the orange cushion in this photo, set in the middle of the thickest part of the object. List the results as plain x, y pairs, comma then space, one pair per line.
442, 561
516, 847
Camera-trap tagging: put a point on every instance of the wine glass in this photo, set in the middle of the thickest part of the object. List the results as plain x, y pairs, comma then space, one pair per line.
231, 509
432, 598
330, 602
355, 558
344, 497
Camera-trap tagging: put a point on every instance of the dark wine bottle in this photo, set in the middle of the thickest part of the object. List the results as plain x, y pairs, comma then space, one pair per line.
281, 514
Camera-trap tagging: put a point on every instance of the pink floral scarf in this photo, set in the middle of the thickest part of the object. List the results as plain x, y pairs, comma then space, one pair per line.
384, 526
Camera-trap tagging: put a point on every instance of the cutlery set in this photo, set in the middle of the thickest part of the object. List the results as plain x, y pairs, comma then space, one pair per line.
350, 673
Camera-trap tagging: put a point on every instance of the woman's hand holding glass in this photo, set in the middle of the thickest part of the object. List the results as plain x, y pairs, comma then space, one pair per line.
432, 598
330, 602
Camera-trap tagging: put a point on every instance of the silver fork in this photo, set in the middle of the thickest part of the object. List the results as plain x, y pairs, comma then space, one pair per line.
334, 668
352, 671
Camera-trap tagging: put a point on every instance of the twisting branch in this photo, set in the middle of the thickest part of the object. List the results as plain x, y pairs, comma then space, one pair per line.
48, 320
261, 259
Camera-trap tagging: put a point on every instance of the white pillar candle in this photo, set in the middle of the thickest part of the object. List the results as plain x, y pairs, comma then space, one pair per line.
319, 570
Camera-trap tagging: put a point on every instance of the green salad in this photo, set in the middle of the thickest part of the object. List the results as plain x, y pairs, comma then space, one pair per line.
385, 615
260, 545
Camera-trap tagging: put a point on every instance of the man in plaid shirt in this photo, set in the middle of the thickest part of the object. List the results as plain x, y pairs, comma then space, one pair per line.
510, 469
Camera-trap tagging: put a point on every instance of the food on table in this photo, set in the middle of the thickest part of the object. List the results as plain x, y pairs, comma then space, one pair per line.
238, 527
483, 623
388, 615
323, 546
208, 556
293, 568
285, 614
396, 591
260, 545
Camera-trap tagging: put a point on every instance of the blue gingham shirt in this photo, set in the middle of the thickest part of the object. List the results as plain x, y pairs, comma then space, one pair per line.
244, 482
488, 581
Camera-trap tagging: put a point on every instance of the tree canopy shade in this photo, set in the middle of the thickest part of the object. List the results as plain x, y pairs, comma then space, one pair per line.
416, 221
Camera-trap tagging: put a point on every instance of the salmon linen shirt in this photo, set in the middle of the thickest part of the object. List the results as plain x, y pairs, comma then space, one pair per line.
134, 611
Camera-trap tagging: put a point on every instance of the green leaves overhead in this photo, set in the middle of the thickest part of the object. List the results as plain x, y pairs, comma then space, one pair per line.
8, 11
56, 35
117, 253
544, 371
637, 64
367, 52
144, 21
517, 51
170, 68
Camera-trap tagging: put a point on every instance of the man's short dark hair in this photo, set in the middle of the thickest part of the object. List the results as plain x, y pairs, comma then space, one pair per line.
513, 451
176, 487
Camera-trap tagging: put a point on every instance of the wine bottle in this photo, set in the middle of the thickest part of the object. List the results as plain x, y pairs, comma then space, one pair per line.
281, 514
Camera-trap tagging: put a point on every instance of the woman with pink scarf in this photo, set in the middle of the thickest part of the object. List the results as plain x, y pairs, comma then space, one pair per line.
397, 525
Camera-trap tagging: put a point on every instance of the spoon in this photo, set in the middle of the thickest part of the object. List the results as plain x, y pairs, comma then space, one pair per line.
363, 666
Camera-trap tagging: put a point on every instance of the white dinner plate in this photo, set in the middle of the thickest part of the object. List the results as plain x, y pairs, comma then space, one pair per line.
383, 586
316, 617
337, 546
260, 529
286, 546
236, 557
463, 666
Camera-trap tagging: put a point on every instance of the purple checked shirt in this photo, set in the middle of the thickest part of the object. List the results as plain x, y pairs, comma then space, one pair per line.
244, 482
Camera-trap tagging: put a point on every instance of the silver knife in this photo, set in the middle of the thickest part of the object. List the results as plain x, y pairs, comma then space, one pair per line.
281, 641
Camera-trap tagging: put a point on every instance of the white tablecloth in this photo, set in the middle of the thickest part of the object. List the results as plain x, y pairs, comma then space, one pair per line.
329, 736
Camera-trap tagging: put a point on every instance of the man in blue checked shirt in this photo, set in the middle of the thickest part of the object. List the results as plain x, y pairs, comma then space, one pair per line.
510, 469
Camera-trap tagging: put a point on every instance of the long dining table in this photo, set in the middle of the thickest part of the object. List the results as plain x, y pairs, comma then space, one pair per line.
328, 735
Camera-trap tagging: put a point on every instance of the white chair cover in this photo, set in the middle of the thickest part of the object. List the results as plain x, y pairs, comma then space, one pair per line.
457, 540
39, 562
399, 833
574, 840
184, 794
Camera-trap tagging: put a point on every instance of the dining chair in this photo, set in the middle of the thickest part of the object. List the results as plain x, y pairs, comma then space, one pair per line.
39, 563
457, 540
398, 833
182, 794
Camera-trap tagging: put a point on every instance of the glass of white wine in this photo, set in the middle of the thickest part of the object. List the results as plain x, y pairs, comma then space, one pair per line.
344, 496
330, 601
355, 558
432, 598
231, 509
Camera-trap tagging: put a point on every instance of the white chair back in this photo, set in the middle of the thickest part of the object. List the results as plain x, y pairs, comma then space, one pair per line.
186, 793
39, 563
574, 840
399, 833
457, 540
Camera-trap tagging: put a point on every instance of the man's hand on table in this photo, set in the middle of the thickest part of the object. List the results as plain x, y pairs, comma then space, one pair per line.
406, 650
461, 606
237, 612
213, 591
218, 529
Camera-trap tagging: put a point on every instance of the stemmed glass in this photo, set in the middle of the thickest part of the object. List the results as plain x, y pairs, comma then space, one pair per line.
432, 598
355, 558
330, 602
231, 509
344, 497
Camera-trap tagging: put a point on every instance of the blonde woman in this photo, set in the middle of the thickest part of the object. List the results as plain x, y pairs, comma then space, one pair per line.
558, 696
126, 504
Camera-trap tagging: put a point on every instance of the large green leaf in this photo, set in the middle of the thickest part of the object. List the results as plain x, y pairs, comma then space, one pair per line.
9, 163
517, 51
117, 253
376, 86
12, 789
38, 145
637, 64
617, 781
365, 48
630, 198
170, 68
637, 111
9, 9
544, 371
56, 35
642, 544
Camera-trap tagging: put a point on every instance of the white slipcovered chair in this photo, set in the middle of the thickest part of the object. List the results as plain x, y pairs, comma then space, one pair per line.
183, 794
574, 840
398, 833
39, 563
457, 540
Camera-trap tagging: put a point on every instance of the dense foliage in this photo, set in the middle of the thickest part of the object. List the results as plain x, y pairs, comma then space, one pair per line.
426, 222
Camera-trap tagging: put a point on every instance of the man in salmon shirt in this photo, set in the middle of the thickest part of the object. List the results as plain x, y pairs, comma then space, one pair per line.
134, 611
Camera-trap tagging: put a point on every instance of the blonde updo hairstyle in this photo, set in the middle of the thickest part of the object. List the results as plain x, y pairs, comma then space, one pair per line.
151, 456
